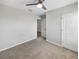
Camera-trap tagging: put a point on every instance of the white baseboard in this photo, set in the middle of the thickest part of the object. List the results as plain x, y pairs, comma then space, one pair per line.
15, 45
60, 45
55, 43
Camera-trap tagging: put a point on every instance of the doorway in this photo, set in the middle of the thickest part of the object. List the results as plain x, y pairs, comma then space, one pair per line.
41, 27
38, 27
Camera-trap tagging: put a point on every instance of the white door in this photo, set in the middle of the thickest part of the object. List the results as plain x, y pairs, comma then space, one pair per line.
69, 31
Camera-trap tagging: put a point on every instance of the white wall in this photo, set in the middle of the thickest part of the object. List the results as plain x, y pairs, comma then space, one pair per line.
54, 23
16, 27
43, 27
53, 28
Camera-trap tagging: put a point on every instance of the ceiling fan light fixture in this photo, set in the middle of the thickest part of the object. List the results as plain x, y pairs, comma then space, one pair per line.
39, 5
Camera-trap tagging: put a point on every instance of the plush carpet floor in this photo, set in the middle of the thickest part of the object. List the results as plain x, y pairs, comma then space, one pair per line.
38, 49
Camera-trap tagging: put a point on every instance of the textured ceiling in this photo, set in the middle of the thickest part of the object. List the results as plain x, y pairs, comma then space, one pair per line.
50, 4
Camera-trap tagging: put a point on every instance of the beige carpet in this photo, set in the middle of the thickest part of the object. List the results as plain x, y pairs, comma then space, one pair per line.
38, 49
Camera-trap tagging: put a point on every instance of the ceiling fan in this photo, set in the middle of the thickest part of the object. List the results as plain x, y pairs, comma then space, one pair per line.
39, 4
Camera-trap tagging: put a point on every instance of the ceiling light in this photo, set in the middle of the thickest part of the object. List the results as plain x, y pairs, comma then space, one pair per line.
39, 5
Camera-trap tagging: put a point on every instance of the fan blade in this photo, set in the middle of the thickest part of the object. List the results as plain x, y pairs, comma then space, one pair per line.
41, 1
31, 4
44, 7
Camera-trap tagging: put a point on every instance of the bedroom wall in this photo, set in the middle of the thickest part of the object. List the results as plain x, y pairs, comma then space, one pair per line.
16, 27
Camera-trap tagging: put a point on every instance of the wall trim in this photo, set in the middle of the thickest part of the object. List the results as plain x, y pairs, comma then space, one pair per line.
15, 45
60, 45
55, 43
